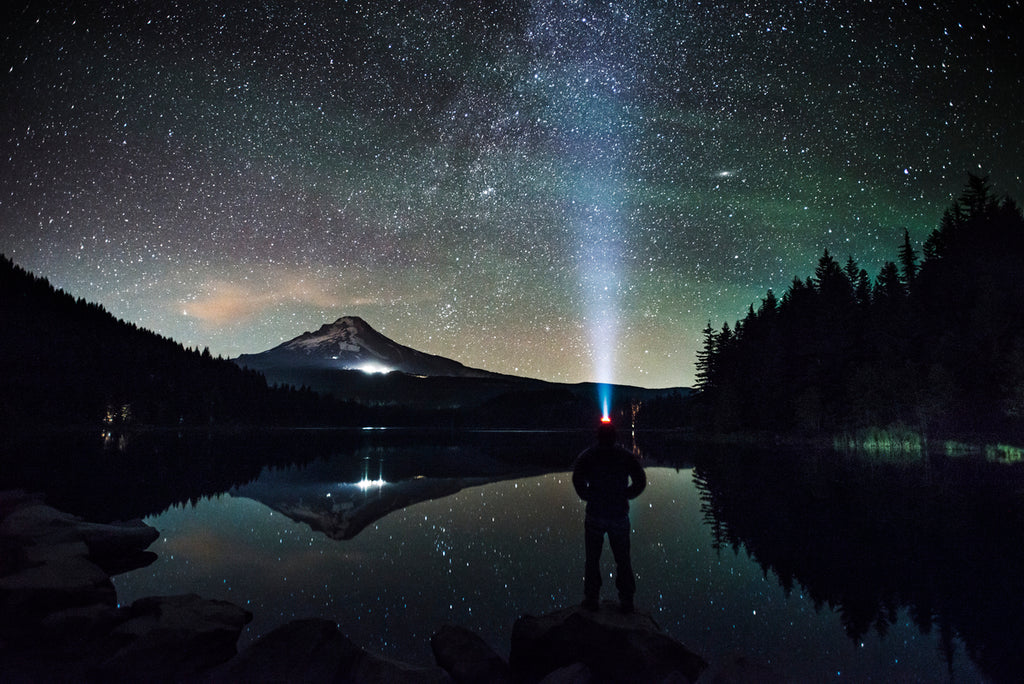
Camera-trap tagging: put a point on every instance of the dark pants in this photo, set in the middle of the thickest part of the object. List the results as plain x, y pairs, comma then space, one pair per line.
618, 539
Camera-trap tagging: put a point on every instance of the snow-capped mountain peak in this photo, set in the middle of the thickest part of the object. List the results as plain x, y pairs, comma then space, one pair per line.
347, 334
350, 343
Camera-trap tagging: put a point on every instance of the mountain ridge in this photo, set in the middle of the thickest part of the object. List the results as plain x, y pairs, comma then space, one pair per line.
350, 343
351, 361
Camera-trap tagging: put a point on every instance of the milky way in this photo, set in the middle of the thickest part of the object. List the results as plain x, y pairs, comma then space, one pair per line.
489, 181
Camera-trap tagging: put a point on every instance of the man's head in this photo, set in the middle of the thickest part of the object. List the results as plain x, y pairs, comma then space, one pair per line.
606, 434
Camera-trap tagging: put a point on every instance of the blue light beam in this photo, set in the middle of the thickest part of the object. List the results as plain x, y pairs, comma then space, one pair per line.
586, 70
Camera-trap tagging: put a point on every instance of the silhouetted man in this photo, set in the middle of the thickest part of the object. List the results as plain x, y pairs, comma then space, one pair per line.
607, 476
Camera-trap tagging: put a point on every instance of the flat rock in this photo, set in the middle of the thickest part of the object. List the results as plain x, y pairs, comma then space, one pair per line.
32, 527
34, 521
615, 647
57, 583
119, 546
55, 568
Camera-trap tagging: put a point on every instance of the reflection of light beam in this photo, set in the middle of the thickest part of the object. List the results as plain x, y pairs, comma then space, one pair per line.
365, 484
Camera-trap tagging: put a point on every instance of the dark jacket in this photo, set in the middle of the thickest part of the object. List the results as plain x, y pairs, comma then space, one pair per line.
607, 477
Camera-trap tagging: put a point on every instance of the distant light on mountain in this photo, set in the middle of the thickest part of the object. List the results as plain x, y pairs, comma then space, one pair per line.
375, 368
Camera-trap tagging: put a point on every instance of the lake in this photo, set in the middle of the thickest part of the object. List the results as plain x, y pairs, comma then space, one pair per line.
817, 565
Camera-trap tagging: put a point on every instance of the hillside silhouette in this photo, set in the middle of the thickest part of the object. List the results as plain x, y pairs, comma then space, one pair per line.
70, 363
935, 343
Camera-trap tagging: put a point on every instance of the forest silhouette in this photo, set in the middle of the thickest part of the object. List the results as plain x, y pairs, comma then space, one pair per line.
935, 344
70, 363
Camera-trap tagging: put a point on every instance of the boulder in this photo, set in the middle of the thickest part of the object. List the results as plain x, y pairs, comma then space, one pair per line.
77, 628
56, 584
467, 657
311, 650
619, 647
55, 570
737, 668
314, 650
169, 638
577, 673
372, 668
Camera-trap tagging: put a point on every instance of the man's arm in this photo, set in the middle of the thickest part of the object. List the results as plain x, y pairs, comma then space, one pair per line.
579, 476
637, 478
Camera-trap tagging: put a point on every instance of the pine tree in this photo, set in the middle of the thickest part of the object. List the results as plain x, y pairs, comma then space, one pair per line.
832, 283
851, 269
769, 305
976, 208
706, 360
859, 281
888, 285
908, 261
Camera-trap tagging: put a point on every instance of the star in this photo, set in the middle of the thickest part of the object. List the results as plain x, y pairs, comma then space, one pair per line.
230, 176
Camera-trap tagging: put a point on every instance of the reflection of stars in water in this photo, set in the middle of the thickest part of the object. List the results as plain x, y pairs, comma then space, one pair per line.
231, 178
489, 554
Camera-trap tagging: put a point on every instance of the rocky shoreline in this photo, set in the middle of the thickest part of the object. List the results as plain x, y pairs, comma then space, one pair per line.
60, 621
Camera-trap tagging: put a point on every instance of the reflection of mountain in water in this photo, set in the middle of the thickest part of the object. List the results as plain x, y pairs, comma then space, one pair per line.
341, 510
869, 541
341, 497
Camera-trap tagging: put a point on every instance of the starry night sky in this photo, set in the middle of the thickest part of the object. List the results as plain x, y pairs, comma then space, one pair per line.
564, 190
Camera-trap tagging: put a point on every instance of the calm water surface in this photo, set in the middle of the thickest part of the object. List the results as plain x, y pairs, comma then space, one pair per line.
302, 542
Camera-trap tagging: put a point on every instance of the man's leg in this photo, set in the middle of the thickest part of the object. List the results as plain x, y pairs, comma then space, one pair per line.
625, 582
593, 541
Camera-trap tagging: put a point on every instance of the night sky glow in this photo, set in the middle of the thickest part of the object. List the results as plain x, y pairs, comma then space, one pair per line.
563, 190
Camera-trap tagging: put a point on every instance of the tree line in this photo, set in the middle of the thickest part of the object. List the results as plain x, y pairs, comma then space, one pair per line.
68, 362
935, 342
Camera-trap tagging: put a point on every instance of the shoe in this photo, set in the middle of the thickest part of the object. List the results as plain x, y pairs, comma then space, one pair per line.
590, 604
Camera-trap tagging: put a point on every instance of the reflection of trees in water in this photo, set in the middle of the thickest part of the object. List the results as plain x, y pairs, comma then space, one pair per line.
103, 476
108, 476
868, 541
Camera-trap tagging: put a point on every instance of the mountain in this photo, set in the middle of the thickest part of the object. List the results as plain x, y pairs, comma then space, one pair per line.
351, 344
352, 362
